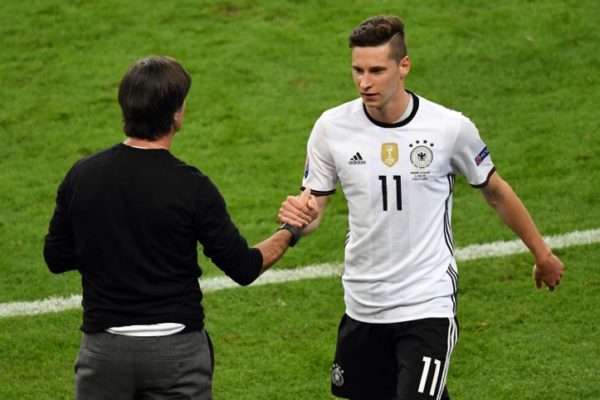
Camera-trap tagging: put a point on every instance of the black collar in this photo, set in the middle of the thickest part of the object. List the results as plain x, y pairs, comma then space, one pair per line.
400, 123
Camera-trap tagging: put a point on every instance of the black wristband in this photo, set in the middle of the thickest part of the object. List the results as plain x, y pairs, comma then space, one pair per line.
296, 233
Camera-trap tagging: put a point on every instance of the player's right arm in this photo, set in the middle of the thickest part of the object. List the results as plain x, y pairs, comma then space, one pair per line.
319, 172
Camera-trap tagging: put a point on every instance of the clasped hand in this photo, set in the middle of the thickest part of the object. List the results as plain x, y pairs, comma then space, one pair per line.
300, 210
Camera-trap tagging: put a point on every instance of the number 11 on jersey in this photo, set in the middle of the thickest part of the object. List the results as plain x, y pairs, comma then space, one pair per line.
384, 191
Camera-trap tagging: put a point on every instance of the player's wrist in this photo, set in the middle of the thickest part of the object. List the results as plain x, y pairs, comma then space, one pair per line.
296, 233
542, 255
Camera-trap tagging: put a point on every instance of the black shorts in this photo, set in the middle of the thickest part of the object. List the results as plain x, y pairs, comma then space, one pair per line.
400, 361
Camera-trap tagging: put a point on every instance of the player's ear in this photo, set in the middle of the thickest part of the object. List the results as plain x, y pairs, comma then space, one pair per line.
404, 66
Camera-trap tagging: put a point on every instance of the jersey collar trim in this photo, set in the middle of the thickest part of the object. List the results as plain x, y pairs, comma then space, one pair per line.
397, 124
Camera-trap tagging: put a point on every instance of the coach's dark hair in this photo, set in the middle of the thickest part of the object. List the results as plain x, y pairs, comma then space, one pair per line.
379, 30
150, 93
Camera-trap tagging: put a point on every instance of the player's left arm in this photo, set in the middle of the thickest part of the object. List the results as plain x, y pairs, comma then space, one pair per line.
501, 197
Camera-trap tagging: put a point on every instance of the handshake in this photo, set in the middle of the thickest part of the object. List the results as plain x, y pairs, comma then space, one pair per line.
302, 212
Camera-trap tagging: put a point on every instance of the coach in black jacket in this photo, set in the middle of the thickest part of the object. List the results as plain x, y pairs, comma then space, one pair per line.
128, 219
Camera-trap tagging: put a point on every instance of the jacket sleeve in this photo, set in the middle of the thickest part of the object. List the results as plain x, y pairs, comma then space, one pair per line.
221, 240
59, 247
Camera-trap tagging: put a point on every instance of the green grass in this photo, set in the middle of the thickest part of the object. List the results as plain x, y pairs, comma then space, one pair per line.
523, 71
277, 341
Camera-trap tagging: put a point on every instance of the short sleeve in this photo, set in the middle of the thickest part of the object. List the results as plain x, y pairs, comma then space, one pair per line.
471, 157
319, 172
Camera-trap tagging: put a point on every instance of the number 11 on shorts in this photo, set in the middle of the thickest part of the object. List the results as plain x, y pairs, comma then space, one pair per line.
425, 374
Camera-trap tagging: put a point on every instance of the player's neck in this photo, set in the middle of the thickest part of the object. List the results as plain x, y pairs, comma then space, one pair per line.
392, 111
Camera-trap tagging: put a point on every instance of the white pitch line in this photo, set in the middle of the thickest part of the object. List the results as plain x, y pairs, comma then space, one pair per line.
472, 252
502, 249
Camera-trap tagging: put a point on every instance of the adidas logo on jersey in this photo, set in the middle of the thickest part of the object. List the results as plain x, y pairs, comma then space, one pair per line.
357, 160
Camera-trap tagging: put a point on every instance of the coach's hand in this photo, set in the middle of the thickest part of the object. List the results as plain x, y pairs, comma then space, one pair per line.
548, 270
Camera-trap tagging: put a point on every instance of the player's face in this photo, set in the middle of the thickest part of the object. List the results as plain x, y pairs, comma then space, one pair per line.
378, 78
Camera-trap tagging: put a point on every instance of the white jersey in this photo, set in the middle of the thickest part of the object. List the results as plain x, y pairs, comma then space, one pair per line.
397, 180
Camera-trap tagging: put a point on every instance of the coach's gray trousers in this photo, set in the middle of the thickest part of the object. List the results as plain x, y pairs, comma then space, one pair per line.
116, 367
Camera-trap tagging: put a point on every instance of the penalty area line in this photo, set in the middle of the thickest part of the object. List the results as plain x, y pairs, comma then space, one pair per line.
471, 252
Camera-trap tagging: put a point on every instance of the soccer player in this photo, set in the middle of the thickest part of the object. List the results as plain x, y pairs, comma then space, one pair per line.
129, 219
396, 155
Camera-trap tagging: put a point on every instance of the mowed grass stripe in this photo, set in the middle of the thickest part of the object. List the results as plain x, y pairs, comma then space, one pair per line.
472, 252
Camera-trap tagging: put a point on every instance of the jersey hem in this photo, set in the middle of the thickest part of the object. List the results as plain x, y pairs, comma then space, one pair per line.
400, 319
487, 180
320, 192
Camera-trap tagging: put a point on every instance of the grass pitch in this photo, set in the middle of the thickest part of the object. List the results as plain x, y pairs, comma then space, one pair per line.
523, 71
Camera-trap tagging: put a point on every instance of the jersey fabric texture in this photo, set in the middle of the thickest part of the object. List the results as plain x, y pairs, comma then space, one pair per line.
397, 180
129, 220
